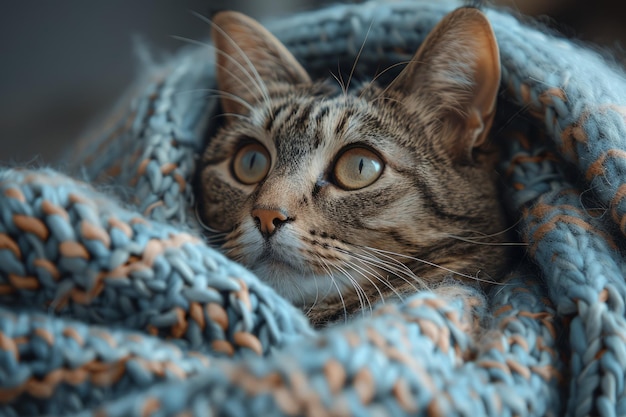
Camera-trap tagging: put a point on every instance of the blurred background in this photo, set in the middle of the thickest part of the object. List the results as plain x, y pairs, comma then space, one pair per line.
65, 62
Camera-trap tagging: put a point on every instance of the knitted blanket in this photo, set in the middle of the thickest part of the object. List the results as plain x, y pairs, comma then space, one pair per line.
113, 305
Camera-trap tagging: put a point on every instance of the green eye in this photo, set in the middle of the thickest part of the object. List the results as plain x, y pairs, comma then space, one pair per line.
357, 168
251, 163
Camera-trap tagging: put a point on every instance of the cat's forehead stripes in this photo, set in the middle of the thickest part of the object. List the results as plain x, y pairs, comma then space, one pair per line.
298, 114
273, 114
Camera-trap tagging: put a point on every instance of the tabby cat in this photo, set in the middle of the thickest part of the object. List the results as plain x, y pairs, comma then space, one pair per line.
338, 198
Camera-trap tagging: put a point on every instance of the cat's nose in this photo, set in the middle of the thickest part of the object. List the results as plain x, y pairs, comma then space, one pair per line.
269, 220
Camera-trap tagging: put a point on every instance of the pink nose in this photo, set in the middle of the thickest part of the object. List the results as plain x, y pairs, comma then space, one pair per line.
268, 220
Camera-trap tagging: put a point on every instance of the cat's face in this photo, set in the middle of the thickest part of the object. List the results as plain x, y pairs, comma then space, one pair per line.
323, 193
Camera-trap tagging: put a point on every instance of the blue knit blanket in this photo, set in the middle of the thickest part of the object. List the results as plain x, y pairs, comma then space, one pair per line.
113, 305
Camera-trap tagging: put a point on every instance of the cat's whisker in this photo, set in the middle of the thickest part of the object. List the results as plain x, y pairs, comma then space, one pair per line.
370, 263
381, 278
214, 237
381, 97
216, 244
302, 296
237, 115
325, 267
389, 68
461, 274
392, 84
482, 235
214, 234
233, 96
394, 265
205, 226
339, 81
375, 261
356, 59
220, 94
408, 277
364, 273
317, 294
360, 292
347, 277
475, 242
261, 89
259, 80
334, 282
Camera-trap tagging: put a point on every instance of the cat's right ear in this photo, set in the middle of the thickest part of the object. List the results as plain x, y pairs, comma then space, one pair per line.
249, 58
454, 78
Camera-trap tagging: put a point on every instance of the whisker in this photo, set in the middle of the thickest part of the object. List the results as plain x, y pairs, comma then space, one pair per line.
463, 239
370, 264
382, 94
400, 273
260, 83
297, 287
215, 238
233, 61
395, 264
381, 97
343, 83
237, 115
483, 235
358, 55
204, 225
363, 272
220, 94
377, 76
334, 282
461, 274
339, 81
233, 97
317, 294
360, 292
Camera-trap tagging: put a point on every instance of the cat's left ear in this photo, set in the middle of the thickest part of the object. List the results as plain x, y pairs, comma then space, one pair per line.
249, 58
455, 74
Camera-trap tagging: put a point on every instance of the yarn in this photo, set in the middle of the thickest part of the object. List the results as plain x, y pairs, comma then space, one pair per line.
112, 304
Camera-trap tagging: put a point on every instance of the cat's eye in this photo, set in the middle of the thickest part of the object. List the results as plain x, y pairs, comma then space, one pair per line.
357, 168
251, 163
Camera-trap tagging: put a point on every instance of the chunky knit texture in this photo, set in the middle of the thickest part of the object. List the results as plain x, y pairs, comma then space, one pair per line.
112, 305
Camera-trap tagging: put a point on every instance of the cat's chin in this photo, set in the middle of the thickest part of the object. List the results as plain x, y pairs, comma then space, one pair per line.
301, 288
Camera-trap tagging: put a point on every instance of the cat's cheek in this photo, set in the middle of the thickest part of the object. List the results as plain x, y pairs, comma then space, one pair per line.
218, 220
220, 202
216, 215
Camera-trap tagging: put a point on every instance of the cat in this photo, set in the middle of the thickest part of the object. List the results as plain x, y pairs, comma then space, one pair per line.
339, 199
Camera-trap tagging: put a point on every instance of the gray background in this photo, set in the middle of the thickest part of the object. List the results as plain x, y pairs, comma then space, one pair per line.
64, 62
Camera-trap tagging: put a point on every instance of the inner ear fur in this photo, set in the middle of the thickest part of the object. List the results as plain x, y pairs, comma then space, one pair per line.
456, 74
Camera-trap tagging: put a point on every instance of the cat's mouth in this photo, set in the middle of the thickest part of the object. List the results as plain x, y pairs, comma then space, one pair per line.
295, 282
275, 259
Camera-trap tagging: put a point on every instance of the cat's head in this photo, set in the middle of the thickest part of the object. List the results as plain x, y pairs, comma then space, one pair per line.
386, 188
